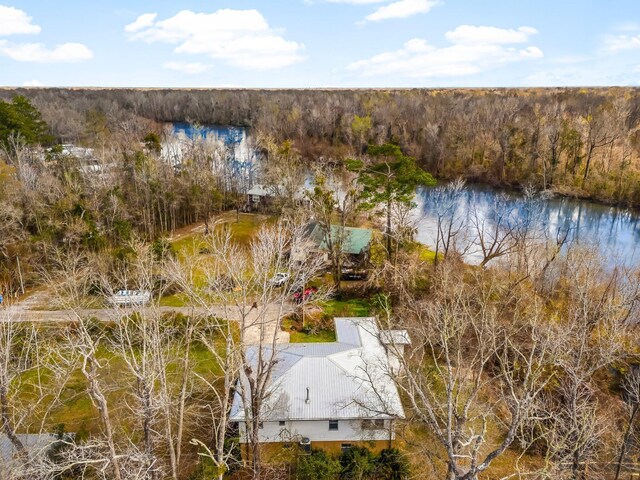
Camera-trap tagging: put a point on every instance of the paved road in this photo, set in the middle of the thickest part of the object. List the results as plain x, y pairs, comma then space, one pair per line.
264, 320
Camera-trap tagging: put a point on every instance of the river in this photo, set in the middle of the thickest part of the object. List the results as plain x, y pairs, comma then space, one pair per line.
235, 140
614, 231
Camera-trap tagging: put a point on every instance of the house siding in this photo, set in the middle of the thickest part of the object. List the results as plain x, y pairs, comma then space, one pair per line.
349, 431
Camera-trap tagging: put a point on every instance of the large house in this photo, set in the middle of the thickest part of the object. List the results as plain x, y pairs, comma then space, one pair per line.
329, 395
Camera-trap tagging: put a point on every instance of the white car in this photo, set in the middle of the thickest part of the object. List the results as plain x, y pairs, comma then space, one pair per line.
279, 279
130, 297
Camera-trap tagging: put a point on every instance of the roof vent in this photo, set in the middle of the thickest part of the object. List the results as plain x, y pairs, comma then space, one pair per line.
307, 400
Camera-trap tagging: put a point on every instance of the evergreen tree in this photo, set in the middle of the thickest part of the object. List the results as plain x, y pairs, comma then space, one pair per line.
389, 177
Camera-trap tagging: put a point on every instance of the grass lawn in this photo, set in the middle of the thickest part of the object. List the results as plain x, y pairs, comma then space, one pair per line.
75, 409
426, 255
355, 307
175, 300
321, 336
243, 228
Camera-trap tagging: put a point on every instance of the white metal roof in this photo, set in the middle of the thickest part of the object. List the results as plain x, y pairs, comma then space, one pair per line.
33, 443
259, 191
347, 379
395, 337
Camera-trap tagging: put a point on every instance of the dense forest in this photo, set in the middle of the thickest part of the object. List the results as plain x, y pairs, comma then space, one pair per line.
581, 142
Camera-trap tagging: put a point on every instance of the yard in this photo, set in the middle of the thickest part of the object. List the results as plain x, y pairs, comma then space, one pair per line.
191, 242
318, 322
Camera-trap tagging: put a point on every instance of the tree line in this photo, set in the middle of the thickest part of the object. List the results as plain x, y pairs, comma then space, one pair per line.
580, 142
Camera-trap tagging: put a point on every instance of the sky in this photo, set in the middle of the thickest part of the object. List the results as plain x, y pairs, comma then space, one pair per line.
320, 43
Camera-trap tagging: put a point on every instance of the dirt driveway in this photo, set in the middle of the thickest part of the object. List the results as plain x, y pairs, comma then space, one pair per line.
262, 322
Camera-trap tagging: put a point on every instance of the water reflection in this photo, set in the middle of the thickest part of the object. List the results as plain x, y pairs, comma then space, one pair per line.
233, 156
614, 231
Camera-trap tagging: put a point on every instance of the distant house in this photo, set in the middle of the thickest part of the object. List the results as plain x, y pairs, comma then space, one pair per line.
329, 395
258, 197
355, 243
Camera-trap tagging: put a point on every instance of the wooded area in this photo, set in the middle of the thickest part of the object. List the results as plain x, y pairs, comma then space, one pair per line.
522, 365
581, 142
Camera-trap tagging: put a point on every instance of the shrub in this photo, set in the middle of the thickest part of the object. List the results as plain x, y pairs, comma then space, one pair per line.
391, 464
357, 463
317, 466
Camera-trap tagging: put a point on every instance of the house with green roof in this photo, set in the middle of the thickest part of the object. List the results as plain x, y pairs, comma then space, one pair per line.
354, 242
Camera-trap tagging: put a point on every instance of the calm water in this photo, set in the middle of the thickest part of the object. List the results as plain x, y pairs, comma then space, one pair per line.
233, 141
615, 231
235, 157
223, 133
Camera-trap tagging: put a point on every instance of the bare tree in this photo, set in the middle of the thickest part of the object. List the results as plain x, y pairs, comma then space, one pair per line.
240, 292
449, 223
631, 396
463, 349
494, 229
590, 335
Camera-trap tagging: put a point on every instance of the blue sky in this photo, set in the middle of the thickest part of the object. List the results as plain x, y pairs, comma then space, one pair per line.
320, 43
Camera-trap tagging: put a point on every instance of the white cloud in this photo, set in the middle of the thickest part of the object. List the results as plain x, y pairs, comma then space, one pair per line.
241, 38
616, 43
401, 9
14, 21
32, 83
39, 53
604, 74
419, 59
143, 21
472, 35
188, 68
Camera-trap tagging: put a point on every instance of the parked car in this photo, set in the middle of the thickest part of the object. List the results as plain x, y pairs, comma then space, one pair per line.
130, 297
305, 296
279, 279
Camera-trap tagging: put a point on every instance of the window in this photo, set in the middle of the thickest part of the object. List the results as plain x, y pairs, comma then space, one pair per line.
281, 423
345, 446
373, 424
333, 425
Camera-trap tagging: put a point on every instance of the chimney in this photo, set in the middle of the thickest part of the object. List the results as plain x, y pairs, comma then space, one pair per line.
306, 400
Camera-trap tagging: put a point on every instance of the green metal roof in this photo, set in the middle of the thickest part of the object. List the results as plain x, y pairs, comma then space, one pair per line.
354, 240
